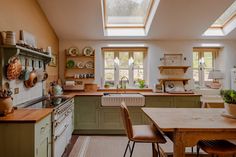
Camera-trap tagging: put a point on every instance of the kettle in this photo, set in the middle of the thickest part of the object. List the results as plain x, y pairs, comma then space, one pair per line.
8, 37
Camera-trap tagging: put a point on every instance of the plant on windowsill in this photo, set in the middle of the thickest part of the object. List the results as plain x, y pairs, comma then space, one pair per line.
107, 85
229, 97
141, 83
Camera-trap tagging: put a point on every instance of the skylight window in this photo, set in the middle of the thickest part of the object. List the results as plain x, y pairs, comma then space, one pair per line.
128, 17
224, 24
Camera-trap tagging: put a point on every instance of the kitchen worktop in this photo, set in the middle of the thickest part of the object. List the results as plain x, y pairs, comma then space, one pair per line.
144, 93
26, 115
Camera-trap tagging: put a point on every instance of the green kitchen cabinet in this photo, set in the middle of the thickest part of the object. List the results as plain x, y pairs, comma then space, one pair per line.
110, 118
92, 118
187, 102
26, 139
86, 112
159, 101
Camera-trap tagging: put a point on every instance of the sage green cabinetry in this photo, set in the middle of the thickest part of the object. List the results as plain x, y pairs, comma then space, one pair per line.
87, 112
92, 118
26, 139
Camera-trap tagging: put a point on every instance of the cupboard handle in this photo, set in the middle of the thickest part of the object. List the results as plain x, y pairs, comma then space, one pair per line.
44, 128
65, 127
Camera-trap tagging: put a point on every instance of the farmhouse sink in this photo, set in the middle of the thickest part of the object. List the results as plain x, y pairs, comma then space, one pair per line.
130, 99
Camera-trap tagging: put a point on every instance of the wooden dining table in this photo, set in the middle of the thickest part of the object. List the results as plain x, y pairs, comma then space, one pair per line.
186, 126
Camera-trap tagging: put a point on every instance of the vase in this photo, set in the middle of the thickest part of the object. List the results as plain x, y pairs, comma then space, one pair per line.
6, 105
230, 109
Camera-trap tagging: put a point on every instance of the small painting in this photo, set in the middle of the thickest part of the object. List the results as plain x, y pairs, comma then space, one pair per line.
53, 62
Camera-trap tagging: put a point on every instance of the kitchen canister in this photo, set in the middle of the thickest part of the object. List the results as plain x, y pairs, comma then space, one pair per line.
8, 37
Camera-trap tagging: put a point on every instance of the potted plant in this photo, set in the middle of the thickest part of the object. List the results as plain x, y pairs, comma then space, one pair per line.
5, 102
141, 83
229, 97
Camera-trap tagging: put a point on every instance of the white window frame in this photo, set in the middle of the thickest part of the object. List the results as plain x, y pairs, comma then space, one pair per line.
130, 68
201, 69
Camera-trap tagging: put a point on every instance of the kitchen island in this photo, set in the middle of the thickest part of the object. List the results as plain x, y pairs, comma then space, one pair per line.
93, 118
26, 132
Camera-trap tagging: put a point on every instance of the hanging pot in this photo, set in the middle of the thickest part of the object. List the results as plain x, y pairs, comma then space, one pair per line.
25, 73
14, 68
45, 77
32, 78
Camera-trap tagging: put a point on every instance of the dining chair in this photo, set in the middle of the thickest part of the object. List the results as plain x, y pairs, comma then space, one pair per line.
140, 133
216, 147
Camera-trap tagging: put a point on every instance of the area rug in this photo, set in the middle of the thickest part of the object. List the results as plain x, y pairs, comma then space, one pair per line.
107, 146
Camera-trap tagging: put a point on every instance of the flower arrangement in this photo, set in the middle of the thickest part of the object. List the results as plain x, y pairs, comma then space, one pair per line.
229, 96
5, 93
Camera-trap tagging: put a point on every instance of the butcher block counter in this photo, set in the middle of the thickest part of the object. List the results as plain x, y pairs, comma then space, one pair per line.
26, 115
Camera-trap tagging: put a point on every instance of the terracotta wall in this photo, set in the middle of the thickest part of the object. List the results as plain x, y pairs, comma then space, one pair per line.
27, 15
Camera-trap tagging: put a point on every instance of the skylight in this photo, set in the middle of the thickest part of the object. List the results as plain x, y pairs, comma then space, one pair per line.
224, 24
128, 17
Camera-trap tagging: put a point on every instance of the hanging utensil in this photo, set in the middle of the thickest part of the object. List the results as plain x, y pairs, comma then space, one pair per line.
40, 72
45, 72
32, 78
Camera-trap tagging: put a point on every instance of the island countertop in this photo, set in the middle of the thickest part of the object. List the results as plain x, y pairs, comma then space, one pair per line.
26, 115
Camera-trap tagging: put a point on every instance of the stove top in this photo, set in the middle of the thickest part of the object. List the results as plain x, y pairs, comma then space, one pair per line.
45, 102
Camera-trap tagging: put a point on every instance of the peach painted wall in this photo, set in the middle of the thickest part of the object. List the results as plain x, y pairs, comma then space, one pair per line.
27, 15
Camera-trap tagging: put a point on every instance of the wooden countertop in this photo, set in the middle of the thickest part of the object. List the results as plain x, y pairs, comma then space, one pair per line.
74, 93
26, 115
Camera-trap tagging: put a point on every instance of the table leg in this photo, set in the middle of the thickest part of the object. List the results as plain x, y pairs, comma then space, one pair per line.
179, 148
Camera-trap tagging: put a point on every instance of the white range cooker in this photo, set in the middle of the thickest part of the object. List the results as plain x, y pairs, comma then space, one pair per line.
62, 120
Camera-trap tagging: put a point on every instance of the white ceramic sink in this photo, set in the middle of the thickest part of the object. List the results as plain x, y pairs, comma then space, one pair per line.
130, 99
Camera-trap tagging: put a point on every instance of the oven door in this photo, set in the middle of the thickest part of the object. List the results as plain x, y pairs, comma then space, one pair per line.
61, 137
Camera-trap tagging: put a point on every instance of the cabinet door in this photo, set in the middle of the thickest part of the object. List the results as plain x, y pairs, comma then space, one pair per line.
136, 115
110, 118
44, 148
161, 101
86, 112
187, 102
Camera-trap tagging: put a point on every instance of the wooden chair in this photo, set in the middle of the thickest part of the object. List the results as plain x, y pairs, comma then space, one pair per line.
216, 147
140, 133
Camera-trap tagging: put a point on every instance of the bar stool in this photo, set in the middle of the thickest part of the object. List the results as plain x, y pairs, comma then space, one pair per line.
140, 133
216, 147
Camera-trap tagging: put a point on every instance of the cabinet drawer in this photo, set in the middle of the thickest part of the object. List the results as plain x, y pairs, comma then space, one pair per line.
43, 128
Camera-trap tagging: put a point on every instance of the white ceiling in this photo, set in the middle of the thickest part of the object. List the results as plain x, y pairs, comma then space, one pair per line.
174, 19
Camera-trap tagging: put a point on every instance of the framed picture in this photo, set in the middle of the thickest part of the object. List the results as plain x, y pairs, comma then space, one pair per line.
53, 62
28, 38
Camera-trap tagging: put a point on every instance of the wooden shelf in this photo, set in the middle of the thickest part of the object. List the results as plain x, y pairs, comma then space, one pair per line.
162, 67
72, 78
12, 50
163, 80
75, 68
68, 56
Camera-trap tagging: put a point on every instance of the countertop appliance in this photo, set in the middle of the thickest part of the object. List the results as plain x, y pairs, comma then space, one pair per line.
62, 120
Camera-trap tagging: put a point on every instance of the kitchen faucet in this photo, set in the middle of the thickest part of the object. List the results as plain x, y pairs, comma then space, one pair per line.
123, 86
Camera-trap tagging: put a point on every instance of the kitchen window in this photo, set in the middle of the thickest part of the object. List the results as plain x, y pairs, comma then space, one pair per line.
127, 63
203, 62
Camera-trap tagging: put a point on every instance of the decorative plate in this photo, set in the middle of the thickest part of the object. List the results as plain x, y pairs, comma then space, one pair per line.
80, 65
73, 51
89, 64
70, 64
88, 51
